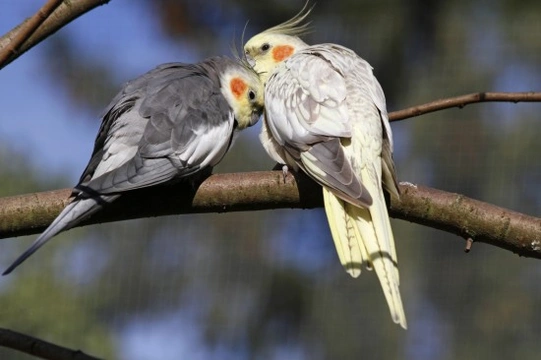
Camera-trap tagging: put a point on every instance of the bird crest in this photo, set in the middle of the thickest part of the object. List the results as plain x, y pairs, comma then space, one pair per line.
295, 25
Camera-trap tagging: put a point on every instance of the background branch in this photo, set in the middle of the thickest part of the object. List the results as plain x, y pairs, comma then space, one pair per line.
26, 29
463, 100
454, 213
40, 348
10, 45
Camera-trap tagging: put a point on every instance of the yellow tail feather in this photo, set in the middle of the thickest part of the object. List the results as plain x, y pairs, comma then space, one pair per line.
365, 236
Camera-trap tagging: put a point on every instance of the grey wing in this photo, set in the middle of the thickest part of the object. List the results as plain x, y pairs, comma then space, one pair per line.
308, 116
121, 104
188, 126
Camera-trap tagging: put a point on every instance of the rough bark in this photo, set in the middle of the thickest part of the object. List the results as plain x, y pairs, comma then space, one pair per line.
454, 213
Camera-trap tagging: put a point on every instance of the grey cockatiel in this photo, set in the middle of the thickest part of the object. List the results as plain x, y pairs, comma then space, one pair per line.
325, 114
173, 122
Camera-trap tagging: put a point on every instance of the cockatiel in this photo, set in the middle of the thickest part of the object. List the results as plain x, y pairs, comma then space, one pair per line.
325, 114
174, 122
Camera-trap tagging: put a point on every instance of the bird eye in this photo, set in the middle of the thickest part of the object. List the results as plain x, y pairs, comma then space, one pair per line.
265, 47
251, 95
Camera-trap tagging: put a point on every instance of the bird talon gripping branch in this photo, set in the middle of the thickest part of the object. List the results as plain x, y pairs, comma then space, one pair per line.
285, 171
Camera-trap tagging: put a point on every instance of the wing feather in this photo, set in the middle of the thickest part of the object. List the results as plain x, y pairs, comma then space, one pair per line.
328, 165
308, 117
159, 135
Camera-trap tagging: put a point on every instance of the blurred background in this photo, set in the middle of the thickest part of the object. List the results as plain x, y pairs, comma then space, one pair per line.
268, 284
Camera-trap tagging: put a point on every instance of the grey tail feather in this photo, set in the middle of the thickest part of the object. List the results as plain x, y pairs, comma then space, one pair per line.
72, 214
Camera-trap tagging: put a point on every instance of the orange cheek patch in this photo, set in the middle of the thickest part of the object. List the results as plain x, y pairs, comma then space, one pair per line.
282, 52
238, 87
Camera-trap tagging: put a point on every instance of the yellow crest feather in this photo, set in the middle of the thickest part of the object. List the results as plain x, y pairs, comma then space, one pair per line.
293, 26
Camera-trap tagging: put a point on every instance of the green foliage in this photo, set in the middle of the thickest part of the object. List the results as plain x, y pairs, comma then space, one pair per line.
38, 305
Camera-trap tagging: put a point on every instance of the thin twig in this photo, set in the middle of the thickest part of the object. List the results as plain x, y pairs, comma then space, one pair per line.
47, 21
26, 29
457, 214
40, 348
463, 100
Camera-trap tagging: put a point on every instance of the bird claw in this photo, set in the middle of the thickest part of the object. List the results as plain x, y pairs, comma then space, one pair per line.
469, 243
285, 171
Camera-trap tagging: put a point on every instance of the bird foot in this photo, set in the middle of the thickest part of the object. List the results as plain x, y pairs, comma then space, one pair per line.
285, 171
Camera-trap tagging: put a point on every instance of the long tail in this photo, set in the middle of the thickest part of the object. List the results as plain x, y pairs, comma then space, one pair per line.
350, 253
364, 236
72, 214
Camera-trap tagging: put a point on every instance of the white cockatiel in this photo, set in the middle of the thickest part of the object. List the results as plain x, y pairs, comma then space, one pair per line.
325, 113
173, 123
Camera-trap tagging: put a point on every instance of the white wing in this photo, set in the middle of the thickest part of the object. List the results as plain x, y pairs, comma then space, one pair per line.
307, 116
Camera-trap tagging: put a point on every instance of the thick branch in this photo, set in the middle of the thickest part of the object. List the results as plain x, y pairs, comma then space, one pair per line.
457, 214
471, 219
463, 100
62, 15
39, 348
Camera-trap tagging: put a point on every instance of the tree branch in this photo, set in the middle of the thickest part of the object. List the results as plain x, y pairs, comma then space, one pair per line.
463, 100
454, 213
26, 29
23, 37
39, 348
473, 220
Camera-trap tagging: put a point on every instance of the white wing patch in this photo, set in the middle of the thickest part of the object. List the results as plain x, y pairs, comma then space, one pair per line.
305, 98
307, 111
209, 145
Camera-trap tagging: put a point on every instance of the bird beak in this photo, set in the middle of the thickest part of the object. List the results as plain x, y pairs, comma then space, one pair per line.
255, 118
250, 60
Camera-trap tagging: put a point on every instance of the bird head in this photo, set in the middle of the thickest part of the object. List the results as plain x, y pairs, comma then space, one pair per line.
243, 90
266, 50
